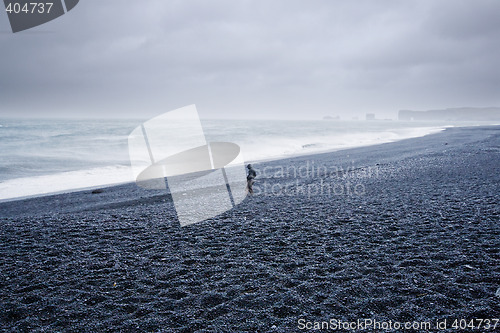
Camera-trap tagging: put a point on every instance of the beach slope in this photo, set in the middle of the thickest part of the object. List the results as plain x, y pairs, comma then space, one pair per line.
402, 232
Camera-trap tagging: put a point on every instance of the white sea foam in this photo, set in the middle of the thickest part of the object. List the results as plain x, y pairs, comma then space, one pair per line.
62, 164
64, 182
272, 147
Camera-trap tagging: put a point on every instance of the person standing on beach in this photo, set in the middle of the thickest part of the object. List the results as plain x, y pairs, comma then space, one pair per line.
250, 178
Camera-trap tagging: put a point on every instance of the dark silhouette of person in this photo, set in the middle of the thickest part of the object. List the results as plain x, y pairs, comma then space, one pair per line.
250, 178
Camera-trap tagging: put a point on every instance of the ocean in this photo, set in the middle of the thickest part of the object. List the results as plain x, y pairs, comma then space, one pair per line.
43, 156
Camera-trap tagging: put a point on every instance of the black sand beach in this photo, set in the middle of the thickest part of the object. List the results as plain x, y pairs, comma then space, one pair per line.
402, 232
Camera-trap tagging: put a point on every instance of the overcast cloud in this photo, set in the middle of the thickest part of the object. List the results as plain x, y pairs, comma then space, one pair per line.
253, 58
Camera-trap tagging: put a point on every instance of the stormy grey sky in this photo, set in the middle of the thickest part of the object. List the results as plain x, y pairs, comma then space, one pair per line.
253, 58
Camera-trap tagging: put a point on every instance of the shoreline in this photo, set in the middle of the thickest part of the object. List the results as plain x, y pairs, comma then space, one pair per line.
260, 161
360, 152
419, 244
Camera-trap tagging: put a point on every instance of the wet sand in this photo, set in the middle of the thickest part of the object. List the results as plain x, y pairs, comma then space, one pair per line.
404, 231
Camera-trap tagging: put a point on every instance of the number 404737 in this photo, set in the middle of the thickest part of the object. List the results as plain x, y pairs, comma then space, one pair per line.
29, 8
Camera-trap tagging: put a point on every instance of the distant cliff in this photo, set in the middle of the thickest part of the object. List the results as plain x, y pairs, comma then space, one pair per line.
456, 114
